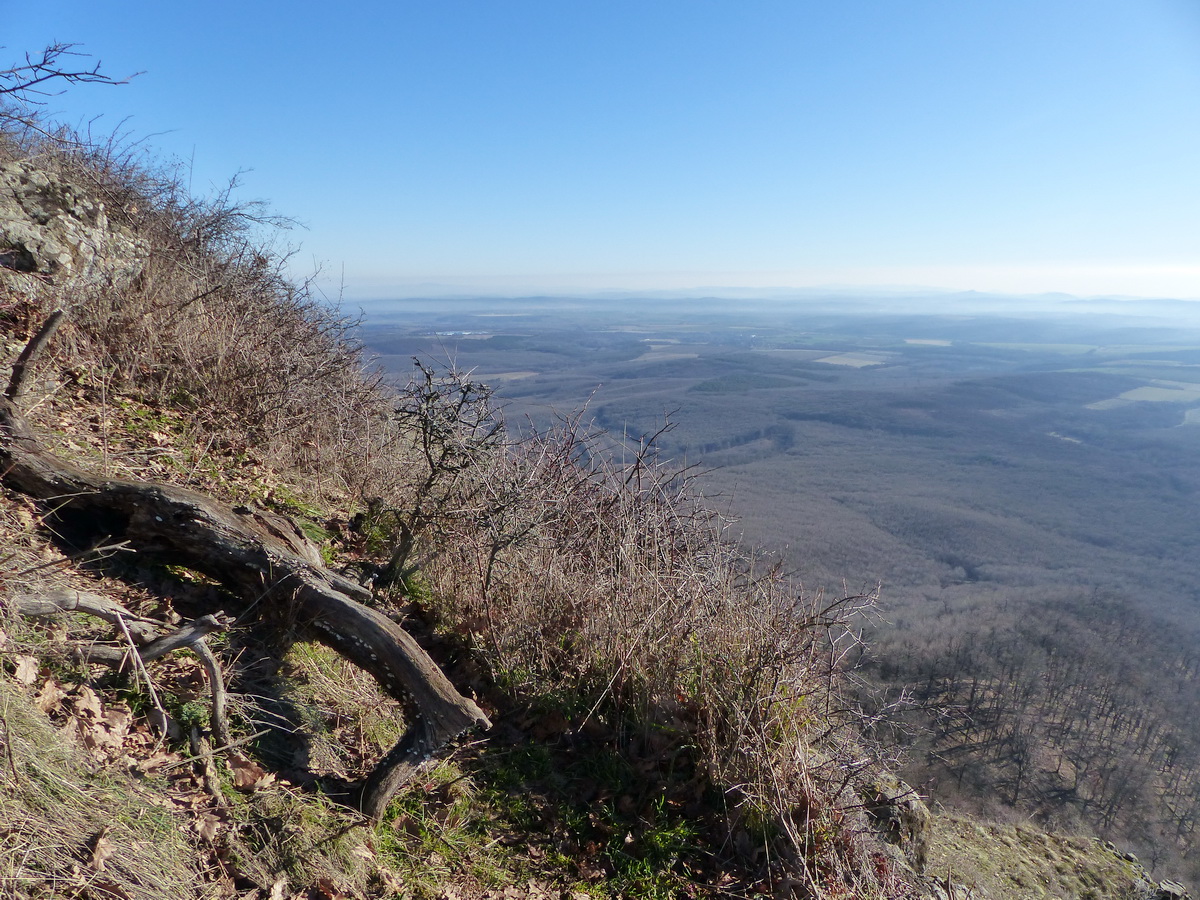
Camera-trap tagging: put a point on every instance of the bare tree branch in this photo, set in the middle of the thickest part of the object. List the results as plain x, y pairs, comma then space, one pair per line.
27, 81
24, 85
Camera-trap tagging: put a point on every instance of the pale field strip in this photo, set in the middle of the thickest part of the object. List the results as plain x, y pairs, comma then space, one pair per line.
1171, 363
1157, 391
794, 352
928, 342
857, 360
1103, 350
1063, 437
660, 349
512, 376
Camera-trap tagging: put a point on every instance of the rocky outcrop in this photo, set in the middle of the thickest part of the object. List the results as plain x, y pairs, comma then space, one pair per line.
1171, 890
900, 816
52, 227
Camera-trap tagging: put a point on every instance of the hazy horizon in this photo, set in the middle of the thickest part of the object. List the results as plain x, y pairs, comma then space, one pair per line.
366, 290
488, 291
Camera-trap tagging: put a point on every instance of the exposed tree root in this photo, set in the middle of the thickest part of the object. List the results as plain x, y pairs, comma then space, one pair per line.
261, 557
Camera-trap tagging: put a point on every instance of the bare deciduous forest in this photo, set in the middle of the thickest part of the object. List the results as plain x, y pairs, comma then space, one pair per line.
1020, 476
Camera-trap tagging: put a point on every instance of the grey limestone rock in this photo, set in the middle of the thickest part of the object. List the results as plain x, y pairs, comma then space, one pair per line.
899, 814
1171, 890
54, 228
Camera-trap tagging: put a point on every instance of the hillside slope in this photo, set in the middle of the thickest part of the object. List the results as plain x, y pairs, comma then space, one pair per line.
667, 715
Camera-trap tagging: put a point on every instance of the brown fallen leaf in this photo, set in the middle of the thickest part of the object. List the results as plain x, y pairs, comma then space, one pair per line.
391, 881
90, 736
278, 890
328, 889
158, 760
87, 703
102, 849
117, 721
247, 774
27, 670
208, 827
50, 696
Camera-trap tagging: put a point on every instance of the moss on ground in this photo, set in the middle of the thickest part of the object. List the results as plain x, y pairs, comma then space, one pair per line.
1019, 862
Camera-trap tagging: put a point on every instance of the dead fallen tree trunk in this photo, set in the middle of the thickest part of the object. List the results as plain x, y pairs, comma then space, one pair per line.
261, 557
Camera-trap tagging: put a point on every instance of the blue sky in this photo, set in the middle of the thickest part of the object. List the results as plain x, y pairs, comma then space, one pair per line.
489, 145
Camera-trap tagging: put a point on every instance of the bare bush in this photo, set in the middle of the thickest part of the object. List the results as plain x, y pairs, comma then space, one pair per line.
210, 319
448, 434
613, 584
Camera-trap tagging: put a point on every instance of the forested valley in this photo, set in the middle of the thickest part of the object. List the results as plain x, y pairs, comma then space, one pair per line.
1018, 475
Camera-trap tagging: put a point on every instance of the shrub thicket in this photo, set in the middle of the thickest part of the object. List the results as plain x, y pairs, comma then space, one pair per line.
597, 579
203, 315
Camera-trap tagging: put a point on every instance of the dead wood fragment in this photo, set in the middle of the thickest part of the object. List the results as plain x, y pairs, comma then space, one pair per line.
216, 686
187, 636
17, 384
57, 601
202, 754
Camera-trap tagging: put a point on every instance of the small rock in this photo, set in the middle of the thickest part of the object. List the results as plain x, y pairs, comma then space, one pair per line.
1171, 890
900, 814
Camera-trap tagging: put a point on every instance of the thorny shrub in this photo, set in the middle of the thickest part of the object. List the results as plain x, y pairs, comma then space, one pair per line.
614, 585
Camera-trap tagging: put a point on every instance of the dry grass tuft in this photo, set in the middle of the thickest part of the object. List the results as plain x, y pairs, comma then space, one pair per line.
202, 315
73, 830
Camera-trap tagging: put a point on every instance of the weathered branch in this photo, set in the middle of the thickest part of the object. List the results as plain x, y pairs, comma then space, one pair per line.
216, 686
56, 601
27, 80
256, 555
20, 369
186, 636
202, 754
